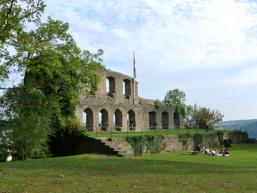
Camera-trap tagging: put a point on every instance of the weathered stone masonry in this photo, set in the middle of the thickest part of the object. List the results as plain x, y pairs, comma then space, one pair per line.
116, 106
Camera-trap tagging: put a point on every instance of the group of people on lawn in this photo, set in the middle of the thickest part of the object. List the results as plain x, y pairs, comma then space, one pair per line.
206, 150
224, 151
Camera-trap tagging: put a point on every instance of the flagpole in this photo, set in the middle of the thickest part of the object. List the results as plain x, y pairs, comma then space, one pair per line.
134, 77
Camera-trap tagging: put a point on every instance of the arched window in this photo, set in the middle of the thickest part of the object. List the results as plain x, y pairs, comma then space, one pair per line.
87, 119
126, 88
176, 120
110, 86
131, 120
152, 120
165, 120
118, 120
103, 120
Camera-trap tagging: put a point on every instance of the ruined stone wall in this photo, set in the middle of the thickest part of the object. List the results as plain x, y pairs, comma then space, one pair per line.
118, 102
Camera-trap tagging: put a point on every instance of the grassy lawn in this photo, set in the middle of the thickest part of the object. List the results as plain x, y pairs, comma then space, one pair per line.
168, 172
157, 132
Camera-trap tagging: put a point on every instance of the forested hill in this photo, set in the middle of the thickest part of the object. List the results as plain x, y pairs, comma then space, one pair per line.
250, 126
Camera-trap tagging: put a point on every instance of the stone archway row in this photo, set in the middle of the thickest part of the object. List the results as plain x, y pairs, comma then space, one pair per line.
105, 120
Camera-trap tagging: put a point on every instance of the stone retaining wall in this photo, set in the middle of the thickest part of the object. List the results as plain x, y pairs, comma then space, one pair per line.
174, 143
236, 136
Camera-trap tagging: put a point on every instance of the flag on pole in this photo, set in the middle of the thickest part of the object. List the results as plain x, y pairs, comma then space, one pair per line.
134, 66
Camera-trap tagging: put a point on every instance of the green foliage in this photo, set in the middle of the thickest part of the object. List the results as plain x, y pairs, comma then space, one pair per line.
166, 132
41, 151
157, 104
14, 13
220, 135
27, 112
13, 16
177, 98
198, 139
55, 71
151, 143
2, 156
137, 143
184, 139
5, 136
197, 115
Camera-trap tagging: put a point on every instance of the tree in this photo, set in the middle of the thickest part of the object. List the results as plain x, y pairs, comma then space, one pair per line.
55, 70
176, 97
13, 15
28, 119
196, 116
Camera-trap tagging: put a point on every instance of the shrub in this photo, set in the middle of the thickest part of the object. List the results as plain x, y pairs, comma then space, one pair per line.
41, 151
153, 143
137, 143
157, 104
184, 138
198, 139
148, 142
2, 156
220, 135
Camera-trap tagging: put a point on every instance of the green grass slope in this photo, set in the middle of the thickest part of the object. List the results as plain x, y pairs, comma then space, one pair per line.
168, 172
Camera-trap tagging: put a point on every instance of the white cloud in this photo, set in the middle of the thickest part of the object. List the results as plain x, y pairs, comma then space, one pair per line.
178, 31
191, 44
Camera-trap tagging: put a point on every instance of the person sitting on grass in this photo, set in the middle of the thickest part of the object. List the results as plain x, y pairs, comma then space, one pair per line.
213, 152
198, 148
224, 152
206, 150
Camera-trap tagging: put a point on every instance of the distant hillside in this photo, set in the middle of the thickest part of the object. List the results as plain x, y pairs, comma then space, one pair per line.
250, 126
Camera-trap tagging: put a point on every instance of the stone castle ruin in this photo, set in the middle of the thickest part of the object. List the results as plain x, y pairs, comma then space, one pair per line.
116, 106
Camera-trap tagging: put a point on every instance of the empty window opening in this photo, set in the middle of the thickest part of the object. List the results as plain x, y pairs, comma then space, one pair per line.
103, 120
152, 120
165, 120
126, 88
110, 86
87, 119
176, 120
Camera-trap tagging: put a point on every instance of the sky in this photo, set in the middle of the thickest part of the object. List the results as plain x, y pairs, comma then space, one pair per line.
207, 48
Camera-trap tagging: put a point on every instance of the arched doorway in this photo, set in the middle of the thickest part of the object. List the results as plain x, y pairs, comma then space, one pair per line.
118, 120
176, 119
131, 120
165, 120
88, 120
103, 120
152, 120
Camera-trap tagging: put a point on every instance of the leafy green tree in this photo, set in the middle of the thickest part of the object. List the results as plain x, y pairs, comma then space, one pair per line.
196, 116
177, 98
13, 16
55, 71
28, 119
